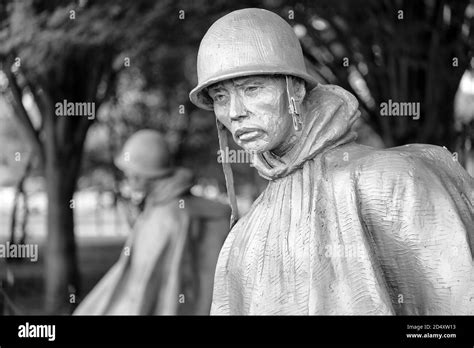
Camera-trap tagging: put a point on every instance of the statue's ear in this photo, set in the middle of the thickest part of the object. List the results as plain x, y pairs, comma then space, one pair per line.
299, 88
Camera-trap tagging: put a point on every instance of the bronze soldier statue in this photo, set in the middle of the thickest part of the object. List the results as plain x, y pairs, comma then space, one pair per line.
167, 265
341, 228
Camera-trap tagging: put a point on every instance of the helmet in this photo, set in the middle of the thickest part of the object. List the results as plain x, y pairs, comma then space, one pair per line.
247, 42
145, 153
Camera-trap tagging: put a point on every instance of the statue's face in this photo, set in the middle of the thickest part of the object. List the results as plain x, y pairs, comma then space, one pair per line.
139, 185
255, 110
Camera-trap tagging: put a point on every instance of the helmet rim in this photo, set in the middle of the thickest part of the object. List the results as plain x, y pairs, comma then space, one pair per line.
149, 173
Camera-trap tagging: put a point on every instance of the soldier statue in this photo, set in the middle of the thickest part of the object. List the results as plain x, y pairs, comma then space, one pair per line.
341, 228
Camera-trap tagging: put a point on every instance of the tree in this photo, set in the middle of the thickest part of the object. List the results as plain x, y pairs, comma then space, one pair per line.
406, 51
47, 51
69, 52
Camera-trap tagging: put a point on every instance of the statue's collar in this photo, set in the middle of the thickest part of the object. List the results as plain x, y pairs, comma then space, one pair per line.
331, 112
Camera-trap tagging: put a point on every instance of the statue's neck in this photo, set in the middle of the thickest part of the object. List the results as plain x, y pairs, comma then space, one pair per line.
285, 148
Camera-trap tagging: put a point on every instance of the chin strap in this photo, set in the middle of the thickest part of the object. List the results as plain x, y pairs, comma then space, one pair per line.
293, 105
228, 175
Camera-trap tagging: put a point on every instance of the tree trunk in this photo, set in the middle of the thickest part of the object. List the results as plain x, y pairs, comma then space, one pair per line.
61, 270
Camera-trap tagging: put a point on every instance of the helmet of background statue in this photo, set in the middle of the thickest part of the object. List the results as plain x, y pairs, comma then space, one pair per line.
145, 153
247, 42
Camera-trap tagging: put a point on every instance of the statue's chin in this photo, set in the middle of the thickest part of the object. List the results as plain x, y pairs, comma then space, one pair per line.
255, 149
259, 148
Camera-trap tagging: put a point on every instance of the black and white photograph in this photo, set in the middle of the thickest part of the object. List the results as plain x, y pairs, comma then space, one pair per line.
205, 165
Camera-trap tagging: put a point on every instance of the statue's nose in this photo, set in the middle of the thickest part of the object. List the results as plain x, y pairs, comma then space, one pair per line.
236, 108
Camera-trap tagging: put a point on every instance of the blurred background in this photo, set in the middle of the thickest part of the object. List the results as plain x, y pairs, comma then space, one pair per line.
136, 60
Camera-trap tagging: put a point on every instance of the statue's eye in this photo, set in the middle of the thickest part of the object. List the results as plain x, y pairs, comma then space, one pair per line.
219, 98
250, 90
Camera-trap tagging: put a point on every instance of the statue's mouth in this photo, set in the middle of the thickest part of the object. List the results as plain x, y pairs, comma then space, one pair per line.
248, 134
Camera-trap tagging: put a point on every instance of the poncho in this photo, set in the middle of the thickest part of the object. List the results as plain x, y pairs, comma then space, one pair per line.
347, 229
168, 262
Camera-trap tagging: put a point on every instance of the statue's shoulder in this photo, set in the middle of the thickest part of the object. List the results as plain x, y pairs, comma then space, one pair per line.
410, 170
412, 162
411, 158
